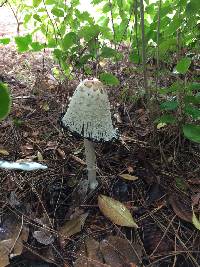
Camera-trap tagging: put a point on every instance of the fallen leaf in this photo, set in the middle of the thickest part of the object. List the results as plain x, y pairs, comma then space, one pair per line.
118, 251
44, 237
4, 152
181, 207
12, 235
116, 211
89, 254
39, 156
129, 177
61, 153
73, 226
195, 220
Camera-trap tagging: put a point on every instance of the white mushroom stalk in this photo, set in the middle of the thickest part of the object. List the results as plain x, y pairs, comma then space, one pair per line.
89, 115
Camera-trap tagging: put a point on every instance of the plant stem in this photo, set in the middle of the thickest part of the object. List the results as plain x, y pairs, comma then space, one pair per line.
91, 163
144, 52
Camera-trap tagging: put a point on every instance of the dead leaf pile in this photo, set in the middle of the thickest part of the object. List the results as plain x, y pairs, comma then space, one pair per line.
113, 251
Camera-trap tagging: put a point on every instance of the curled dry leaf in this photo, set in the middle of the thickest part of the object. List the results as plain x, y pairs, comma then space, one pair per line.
116, 211
129, 177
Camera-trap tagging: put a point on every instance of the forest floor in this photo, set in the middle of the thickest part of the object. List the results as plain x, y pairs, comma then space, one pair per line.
49, 214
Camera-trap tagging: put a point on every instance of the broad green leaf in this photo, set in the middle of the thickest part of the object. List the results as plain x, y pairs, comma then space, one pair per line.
69, 40
167, 118
23, 42
173, 26
183, 65
83, 60
89, 32
27, 17
116, 211
175, 87
192, 111
50, 2
106, 8
57, 12
4, 41
195, 220
192, 132
192, 99
169, 105
108, 52
36, 3
5, 101
193, 86
109, 79
37, 17
36, 46
193, 7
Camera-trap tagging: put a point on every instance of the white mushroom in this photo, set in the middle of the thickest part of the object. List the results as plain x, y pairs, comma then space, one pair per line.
89, 115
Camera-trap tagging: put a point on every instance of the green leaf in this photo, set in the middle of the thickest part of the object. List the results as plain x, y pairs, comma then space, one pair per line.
174, 25
5, 101
169, 105
109, 79
193, 7
50, 2
36, 3
4, 41
192, 99
37, 17
167, 118
27, 17
183, 65
36, 46
69, 40
107, 52
89, 32
57, 12
23, 42
193, 86
195, 220
192, 111
192, 132
106, 8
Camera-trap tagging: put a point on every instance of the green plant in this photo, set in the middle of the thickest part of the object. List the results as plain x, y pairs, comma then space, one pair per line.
5, 101
182, 105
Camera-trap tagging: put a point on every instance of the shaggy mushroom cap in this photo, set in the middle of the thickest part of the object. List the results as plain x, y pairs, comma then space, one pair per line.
88, 113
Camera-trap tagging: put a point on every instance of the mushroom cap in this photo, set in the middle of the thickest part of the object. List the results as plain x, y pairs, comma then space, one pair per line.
88, 113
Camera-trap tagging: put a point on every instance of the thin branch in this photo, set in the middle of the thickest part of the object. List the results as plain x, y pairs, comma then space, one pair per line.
3, 3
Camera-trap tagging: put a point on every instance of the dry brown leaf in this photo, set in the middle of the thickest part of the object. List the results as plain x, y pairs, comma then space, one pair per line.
11, 239
181, 207
118, 251
129, 177
116, 211
61, 153
73, 226
5, 246
89, 254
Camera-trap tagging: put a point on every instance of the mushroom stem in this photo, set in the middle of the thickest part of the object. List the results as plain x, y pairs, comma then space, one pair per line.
91, 163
